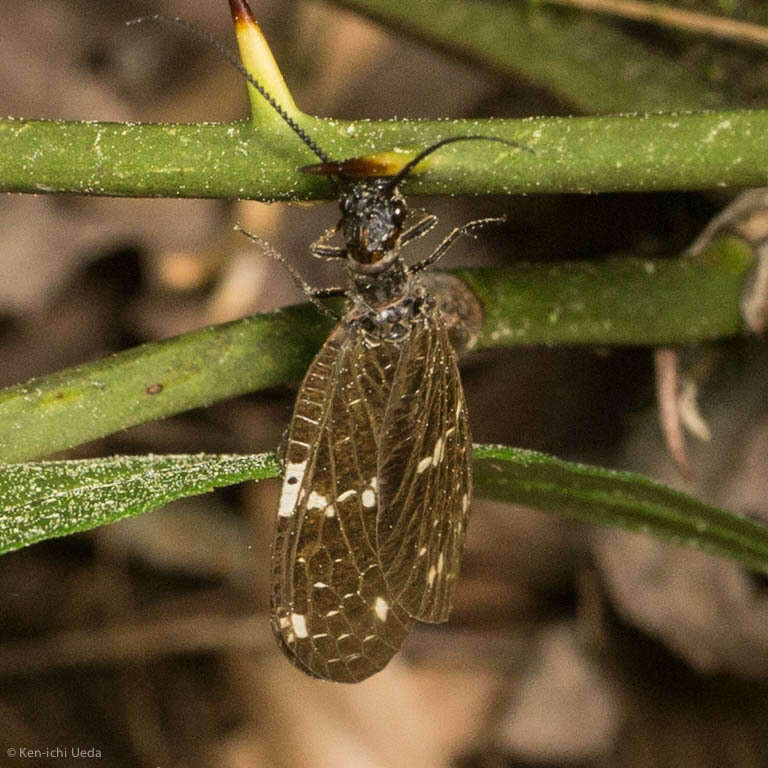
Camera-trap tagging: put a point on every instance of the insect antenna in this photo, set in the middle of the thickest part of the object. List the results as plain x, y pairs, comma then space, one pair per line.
411, 164
208, 38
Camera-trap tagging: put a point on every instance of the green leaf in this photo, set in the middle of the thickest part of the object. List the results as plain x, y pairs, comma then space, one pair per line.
54, 498
588, 62
41, 501
619, 500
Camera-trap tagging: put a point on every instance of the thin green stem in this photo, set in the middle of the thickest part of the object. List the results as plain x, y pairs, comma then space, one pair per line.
619, 301
238, 160
622, 301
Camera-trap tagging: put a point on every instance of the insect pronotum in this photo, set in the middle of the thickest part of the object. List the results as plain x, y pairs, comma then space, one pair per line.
377, 468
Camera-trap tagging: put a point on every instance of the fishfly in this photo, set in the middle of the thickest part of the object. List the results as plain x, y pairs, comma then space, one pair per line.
377, 467
377, 482
378, 475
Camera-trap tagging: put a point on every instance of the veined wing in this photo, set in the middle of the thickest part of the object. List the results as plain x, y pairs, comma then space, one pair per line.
424, 475
331, 610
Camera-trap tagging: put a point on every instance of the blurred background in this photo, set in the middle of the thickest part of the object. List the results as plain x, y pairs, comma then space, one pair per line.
149, 640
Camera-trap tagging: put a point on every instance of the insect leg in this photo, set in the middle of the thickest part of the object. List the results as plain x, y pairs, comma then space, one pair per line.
327, 251
313, 294
467, 229
419, 229
320, 250
329, 293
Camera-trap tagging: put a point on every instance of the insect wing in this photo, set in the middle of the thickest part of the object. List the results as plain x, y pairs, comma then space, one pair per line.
331, 611
425, 475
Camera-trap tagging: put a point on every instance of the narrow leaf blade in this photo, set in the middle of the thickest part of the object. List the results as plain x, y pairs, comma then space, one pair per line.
54, 498
617, 499
49, 499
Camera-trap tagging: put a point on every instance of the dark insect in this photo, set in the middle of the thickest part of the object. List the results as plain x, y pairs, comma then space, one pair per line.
377, 475
377, 479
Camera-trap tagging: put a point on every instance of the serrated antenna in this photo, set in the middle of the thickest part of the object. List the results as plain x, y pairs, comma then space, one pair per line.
411, 164
208, 38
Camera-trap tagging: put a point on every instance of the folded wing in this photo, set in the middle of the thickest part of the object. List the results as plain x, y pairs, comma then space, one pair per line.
331, 609
425, 475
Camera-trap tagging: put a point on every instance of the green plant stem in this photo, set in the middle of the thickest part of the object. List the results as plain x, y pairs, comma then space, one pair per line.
625, 301
619, 301
156, 380
238, 160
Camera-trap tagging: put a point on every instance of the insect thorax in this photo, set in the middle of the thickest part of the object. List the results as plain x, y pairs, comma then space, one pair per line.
386, 306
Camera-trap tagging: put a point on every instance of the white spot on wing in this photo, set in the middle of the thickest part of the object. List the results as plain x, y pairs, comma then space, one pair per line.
346, 495
330, 511
299, 624
440, 563
316, 501
437, 455
381, 608
464, 503
431, 576
294, 474
423, 464
369, 498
